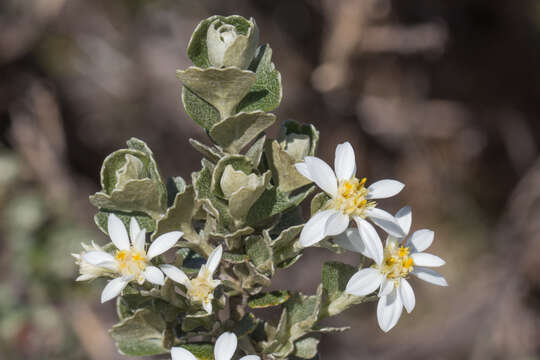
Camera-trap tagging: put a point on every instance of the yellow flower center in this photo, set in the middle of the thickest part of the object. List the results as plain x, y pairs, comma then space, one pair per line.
202, 287
131, 262
351, 198
397, 263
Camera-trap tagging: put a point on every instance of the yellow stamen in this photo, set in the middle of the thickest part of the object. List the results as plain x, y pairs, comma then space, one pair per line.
131, 262
351, 198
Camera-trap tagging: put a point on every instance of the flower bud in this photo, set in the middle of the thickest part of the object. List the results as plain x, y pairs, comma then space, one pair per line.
229, 46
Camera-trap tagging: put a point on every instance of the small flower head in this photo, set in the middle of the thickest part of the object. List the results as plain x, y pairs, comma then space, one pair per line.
400, 258
223, 350
349, 198
200, 290
130, 262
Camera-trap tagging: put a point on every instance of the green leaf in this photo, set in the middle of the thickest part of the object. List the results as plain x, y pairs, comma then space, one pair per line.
145, 221
235, 258
179, 217
306, 348
222, 88
199, 110
335, 276
241, 200
140, 334
201, 351
273, 202
268, 299
266, 93
235, 132
285, 175
286, 245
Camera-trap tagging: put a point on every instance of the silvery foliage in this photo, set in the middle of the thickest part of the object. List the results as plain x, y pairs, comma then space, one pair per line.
246, 197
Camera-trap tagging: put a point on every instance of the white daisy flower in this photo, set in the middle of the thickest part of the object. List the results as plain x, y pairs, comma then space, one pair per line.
350, 199
88, 271
200, 289
223, 350
401, 258
131, 262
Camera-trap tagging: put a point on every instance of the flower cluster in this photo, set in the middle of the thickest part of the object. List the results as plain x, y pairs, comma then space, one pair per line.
190, 261
401, 256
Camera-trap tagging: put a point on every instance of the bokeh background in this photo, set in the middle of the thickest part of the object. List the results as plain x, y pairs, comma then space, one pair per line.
442, 95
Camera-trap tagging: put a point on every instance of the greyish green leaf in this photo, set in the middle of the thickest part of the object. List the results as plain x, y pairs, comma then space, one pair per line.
175, 185
235, 132
238, 162
303, 313
268, 299
306, 348
140, 334
335, 276
199, 110
242, 199
222, 88
202, 181
282, 164
179, 217
254, 153
246, 325
145, 221
211, 153
260, 253
197, 49
266, 93
318, 202
201, 351
273, 202
291, 127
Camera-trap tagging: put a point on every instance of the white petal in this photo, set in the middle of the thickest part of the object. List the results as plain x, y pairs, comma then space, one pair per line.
350, 240
225, 346
163, 243
420, 240
404, 219
213, 260
385, 221
178, 353
113, 289
154, 275
429, 275
345, 163
207, 306
425, 259
364, 282
371, 240
336, 224
97, 257
391, 240
389, 309
175, 274
250, 357
139, 241
383, 189
406, 294
322, 174
134, 229
386, 287
314, 229
117, 232
302, 168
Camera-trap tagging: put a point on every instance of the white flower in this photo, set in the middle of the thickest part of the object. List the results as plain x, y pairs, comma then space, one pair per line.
401, 258
130, 262
200, 289
88, 271
349, 198
223, 350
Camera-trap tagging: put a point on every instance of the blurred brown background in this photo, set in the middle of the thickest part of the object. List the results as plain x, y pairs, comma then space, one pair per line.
442, 95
